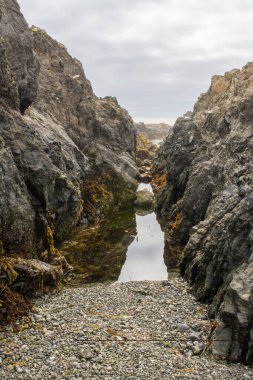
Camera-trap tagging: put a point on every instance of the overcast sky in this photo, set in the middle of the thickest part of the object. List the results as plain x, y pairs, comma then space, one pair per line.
155, 56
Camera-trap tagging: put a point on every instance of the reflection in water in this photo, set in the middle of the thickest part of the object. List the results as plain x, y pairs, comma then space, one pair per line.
97, 254
157, 142
145, 186
127, 246
145, 255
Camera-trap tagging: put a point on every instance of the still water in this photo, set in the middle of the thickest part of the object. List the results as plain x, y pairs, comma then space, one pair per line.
144, 259
145, 186
127, 246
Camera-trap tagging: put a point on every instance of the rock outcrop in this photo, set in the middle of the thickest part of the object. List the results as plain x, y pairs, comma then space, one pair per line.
145, 154
19, 64
145, 200
206, 204
55, 137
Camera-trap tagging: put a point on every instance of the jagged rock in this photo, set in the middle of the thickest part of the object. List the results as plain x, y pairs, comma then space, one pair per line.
100, 128
235, 318
146, 150
8, 88
17, 47
55, 135
206, 204
145, 153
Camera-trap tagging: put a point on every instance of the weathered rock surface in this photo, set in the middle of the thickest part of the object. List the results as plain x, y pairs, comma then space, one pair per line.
56, 137
100, 128
146, 150
145, 154
21, 68
206, 203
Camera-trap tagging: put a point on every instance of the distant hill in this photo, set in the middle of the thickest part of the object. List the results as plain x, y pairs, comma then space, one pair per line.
153, 131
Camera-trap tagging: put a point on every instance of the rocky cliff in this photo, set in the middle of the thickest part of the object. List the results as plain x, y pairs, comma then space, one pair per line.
58, 141
205, 201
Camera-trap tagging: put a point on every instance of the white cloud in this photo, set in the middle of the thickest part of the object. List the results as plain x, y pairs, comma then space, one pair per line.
155, 56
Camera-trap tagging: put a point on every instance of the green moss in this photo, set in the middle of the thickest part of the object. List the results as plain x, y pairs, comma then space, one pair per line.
7, 268
96, 196
98, 252
50, 241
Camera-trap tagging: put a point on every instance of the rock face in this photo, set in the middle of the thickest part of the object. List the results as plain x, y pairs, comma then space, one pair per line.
19, 73
100, 128
206, 204
55, 135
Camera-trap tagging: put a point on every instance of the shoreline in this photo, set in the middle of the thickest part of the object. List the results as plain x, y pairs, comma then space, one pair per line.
135, 330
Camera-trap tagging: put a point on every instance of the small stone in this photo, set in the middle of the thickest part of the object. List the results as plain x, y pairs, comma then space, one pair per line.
197, 350
196, 327
193, 337
86, 354
47, 332
18, 369
188, 354
39, 318
98, 360
182, 327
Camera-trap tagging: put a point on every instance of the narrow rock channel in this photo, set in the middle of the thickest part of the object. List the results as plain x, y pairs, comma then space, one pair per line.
144, 259
122, 329
70, 163
126, 246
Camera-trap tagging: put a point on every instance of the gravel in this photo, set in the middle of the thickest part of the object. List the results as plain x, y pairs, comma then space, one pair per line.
135, 330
